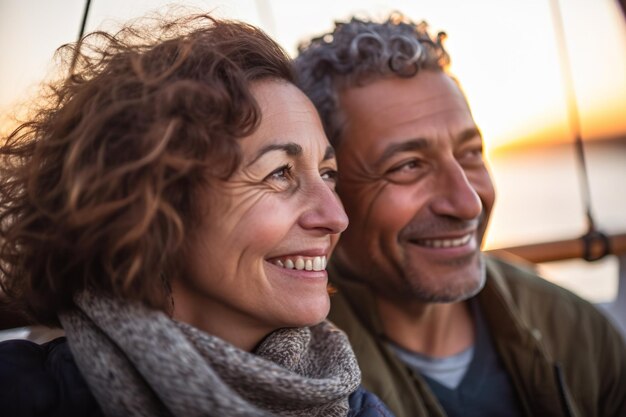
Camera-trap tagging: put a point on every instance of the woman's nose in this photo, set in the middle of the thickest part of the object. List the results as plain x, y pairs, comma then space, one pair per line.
325, 211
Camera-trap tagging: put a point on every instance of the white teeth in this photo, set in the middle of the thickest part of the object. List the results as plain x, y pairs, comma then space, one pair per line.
316, 263
299, 264
461, 241
446, 243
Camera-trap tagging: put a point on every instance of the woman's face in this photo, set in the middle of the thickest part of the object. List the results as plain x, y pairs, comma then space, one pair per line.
258, 261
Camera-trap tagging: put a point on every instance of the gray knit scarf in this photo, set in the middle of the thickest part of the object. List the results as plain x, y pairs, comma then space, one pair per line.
140, 362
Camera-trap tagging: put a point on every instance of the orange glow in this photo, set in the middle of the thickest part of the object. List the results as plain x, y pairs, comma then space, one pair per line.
505, 56
603, 122
523, 103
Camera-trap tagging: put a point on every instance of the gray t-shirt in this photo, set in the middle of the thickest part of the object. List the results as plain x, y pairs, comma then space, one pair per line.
471, 383
448, 371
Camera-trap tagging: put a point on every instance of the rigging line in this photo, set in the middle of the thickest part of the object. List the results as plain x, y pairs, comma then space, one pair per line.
81, 32
84, 21
572, 112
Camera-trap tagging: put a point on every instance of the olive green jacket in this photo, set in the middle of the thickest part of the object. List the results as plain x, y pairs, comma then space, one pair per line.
563, 356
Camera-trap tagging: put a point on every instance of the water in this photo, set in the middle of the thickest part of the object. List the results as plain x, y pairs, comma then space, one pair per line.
539, 200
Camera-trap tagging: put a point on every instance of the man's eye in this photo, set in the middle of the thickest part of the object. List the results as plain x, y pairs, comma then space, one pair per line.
330, 175
405, 172
284, 173
405, 166
472, 156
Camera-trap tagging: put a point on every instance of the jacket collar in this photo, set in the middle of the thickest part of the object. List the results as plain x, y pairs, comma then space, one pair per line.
502, 313
531, 367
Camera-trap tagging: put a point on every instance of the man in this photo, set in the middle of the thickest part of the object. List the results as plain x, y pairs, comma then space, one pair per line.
439, 329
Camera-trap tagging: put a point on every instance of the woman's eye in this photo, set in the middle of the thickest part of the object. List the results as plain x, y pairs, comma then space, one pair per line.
284, 173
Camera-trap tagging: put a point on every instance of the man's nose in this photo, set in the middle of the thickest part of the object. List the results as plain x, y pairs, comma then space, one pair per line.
455, 196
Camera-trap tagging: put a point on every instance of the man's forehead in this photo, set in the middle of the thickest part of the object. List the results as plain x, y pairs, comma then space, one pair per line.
426, 90
398, 109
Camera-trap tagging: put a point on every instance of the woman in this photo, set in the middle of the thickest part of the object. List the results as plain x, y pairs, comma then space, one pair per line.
172, 206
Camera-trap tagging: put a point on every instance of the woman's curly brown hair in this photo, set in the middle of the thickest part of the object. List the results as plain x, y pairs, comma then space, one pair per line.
97, 189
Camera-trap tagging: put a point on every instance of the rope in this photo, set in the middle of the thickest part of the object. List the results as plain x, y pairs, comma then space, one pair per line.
593, 237
81, 32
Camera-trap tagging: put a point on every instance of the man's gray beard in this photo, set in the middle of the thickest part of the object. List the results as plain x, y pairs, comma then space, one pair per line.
415, 292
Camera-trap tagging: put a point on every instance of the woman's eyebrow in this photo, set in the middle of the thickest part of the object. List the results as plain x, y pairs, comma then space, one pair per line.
290, 148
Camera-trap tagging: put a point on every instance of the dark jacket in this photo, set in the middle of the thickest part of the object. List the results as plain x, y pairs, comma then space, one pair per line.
563, 356
365, 404
43, 380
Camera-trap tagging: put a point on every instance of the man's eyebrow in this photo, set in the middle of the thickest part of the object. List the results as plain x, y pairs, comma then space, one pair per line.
291, 149
329, 154
406, 146
467, 135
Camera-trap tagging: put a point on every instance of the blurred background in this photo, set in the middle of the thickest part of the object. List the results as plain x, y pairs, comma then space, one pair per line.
509, 59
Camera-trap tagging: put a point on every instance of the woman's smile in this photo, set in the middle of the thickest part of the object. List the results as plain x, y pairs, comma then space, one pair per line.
316, 263
260, 258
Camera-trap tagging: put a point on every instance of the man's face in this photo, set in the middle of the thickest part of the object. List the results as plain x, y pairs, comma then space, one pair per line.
415, 187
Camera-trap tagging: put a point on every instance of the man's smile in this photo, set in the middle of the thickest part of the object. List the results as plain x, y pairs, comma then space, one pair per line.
444, 243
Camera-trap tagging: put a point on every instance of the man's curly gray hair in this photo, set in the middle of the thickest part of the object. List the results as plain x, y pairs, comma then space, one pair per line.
359, 52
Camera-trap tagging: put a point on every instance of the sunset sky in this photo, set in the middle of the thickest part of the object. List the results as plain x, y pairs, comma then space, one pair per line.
503, 51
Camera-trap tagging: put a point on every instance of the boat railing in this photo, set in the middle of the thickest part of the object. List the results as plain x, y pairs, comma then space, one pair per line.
593, 248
